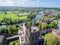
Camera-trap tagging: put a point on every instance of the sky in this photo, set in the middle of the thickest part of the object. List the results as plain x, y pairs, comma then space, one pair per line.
30, 3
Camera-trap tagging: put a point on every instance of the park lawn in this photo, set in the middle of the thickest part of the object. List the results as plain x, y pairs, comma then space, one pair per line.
14, 42
15, 17
1, 16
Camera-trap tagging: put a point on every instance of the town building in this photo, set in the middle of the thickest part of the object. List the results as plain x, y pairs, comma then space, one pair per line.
58, 24
1, 39
56, 33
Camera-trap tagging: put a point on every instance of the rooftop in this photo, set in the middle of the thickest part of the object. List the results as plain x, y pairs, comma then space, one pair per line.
1, 38
34, 29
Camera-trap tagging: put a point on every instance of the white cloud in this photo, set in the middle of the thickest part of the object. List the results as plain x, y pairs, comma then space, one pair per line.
13, 2
17, 2
24, 0
6, 2
28, 3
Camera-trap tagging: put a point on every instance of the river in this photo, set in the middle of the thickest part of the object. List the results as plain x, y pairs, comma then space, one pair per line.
38, 16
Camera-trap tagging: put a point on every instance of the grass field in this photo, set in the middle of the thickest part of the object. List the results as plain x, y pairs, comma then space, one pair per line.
1, 16
13, 16
14, 42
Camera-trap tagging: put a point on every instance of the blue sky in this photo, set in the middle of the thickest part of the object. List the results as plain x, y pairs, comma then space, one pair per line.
30, 3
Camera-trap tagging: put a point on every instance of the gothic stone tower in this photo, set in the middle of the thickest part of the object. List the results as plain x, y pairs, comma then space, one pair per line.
29, 36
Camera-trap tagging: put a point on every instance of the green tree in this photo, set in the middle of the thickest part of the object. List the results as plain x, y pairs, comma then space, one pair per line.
7, 20
12, 29
0, 29
44, 25
50, 39
52, 24
32, 15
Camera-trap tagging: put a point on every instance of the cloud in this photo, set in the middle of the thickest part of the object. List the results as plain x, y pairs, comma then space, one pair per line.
16, 2
6, 2
30, 3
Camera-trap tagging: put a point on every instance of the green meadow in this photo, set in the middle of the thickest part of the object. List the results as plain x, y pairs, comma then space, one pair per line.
13, 16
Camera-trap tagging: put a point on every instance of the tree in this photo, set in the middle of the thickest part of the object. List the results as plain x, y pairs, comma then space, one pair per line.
12, 29
0, 30
7, 20
37, 23
32, 15
52, 24
50, 39
44, 25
